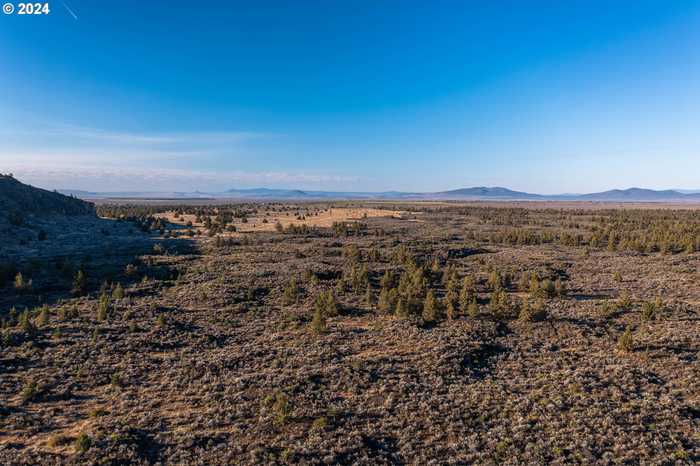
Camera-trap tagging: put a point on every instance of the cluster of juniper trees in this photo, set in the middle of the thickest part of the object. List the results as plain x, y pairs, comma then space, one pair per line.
426, 292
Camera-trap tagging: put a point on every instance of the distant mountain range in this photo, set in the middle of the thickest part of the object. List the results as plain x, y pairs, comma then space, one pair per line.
476, 193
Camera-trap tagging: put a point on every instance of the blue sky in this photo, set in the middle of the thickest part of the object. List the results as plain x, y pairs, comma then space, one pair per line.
378, 95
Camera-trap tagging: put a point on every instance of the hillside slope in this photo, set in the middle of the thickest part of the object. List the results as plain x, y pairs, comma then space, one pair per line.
19, 198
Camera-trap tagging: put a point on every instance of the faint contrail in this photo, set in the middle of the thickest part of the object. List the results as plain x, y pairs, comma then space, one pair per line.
70, 11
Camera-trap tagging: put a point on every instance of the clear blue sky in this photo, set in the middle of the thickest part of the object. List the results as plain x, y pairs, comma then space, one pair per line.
377, 95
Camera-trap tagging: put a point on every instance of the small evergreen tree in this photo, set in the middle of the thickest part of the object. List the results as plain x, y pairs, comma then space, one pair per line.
318, 323
387, 280
43, 318
331, 307
79, 283
495, 281
473, 308
401, 309
386, 300
103, 307
547, 288
118, 292
25, 322
291, 292
560, 288
648, 311
498, 304
430, 307
369, 297
19, 281
466, 294
626, 341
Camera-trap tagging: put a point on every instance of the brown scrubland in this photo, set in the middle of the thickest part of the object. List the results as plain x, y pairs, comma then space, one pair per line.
351, 333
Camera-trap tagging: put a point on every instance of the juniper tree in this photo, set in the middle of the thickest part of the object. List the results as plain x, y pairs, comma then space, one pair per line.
450, 308
21, 284
43, 318
449, 274
532, 312
418, 282
430, 307
19, 281
451, 298
103, 307
352, 253
624, 301
291, 292
80, 282
331, 307
401, 308
626, 341
659, 305
560, 288
369, 297
435, 266
118, 292
498, 304
25, 322
648, 311
473, 308
374, 255
466, 294
385, 302
547, 288
82, 443
387, 280
318, 323
534, 284
524, 282
495, 281
340, 286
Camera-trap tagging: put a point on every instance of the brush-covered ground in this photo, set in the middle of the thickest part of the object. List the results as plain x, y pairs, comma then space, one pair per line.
286, 347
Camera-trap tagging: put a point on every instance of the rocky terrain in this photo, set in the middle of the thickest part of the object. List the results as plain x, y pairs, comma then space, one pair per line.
437, 334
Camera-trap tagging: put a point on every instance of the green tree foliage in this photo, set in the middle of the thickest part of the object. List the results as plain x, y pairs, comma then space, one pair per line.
318, 322
118, 292
499, 305
626, 341
291, 293
21, 284
43, 318
466, 294
369, 296
473, 308
79, 283
536, 312
430, 307
103, 307
401, 309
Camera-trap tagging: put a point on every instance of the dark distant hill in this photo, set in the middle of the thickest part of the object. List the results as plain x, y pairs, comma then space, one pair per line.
266, 193
19, 199
480, 193
486, 192
636, 194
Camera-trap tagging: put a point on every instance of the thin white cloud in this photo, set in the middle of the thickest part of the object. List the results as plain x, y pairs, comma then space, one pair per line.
99, 157
98, 135
75, 17
93, 178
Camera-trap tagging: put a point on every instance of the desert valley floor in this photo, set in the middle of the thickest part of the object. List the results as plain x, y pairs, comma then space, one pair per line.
352, 333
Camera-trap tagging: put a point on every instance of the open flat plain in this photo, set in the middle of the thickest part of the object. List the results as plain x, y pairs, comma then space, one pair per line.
355, 333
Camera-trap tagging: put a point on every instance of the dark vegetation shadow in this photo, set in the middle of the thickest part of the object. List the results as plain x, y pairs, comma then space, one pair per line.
105, 251
479, 363
589, 296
